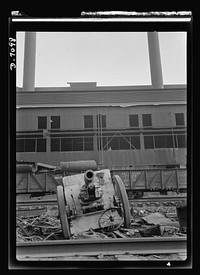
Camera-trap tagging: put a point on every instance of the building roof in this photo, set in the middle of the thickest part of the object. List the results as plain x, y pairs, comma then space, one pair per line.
100, 96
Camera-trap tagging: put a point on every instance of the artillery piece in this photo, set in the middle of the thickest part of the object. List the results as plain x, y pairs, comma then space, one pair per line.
92, 200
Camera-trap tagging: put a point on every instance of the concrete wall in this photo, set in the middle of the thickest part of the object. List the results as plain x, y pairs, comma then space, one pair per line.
116, 117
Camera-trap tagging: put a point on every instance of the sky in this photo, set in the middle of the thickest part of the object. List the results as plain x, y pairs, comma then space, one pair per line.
108, 58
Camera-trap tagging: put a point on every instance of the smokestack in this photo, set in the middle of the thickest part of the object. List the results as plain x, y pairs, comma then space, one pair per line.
155, 60
29, 61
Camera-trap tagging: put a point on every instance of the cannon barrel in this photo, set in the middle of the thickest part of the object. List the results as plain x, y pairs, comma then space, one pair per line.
88, 176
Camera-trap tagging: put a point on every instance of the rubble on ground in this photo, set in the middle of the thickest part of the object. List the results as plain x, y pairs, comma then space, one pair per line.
146, 221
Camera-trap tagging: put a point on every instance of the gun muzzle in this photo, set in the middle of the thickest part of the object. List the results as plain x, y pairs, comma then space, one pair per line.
88, 176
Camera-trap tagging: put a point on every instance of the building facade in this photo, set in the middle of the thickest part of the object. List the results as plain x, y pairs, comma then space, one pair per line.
118, 127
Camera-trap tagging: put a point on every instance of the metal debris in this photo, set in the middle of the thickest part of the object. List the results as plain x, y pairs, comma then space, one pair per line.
90, 234
47, 226
38, 228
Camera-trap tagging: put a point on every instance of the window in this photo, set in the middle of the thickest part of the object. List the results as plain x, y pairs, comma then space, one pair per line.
124, 143
55, 122
159, 141
169, 141
181, 139
135, 142
119, 142
42, 122
146, 120
66, 144
148, 142
133, 121
88, 144
55, 145
88, 121
29, 145
20, 145
77, 144
179, 117
114, 143
41, 145
101, 121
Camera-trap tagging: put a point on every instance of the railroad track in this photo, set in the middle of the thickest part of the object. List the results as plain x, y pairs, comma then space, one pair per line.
30, 202
67, 248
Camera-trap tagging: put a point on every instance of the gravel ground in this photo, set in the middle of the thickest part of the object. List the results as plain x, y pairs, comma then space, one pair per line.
120, 257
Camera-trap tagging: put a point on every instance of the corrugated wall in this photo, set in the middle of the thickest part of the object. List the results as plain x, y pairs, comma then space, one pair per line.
113, 158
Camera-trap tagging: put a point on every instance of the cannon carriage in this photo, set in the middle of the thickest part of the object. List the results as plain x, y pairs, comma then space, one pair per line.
92, 200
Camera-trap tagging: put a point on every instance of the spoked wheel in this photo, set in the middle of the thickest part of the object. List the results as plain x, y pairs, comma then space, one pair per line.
62, 212
122, 196
111, 219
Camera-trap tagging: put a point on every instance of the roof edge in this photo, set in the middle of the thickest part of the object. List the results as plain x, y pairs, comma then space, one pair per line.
102, 88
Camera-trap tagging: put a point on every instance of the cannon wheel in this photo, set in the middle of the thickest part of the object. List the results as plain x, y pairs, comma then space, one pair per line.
62, 212
111, 219
122, 195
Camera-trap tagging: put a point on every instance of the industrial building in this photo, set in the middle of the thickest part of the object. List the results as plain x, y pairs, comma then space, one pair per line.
117, 126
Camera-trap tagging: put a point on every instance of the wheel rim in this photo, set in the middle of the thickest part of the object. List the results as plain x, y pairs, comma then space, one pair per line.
62, 212
122, 195
111, 219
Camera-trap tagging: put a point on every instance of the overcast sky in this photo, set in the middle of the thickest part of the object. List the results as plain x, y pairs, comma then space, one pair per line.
108, 58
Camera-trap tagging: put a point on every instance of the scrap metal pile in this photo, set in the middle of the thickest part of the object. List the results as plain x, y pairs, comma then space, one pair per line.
38, 228
149, 222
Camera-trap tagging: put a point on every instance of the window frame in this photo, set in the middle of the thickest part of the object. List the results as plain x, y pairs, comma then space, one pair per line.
86, 143
37, 144
157, 141
59, 144
179, 119
149, 116
148, 137
17, 145
27, 144
181, 138
42, 128
52, 118
131, 119
91, 124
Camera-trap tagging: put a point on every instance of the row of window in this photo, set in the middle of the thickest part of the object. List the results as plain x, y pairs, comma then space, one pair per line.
55, 122
101, 121
106, 142
150, 142
31, 145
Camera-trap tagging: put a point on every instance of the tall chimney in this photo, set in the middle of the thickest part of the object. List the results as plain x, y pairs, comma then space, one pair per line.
29, 61
155, 60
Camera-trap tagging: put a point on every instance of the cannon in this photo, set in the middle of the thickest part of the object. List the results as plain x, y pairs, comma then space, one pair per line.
92, 200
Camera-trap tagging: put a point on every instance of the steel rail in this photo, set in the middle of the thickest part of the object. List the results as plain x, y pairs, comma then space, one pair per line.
157, 199
142, 200
149, 245
36, 202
